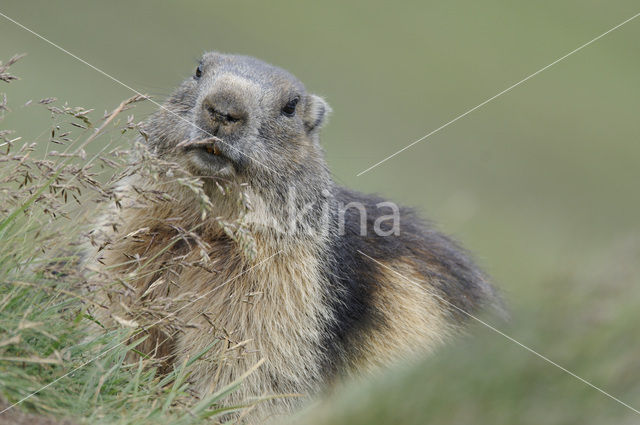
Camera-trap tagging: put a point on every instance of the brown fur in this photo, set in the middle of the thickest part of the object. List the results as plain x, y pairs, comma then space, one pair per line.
411, 328
267, 308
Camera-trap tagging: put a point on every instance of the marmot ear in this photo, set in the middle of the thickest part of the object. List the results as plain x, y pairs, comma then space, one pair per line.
316, 112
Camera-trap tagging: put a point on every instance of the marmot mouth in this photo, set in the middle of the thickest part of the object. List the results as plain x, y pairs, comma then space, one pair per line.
207, 155
211, 145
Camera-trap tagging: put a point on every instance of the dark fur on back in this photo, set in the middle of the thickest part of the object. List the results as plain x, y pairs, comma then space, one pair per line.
353, 277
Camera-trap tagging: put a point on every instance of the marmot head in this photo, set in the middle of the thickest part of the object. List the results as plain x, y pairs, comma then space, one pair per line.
261, 124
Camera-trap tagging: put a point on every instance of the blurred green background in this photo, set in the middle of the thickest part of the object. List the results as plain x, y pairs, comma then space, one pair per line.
541, 183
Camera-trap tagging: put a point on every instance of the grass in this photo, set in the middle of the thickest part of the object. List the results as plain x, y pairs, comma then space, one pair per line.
55, 358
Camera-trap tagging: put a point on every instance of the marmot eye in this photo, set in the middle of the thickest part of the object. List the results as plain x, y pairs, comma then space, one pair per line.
198, 72
290, 108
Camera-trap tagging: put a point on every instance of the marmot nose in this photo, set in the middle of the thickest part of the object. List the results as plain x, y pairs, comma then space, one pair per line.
223, 109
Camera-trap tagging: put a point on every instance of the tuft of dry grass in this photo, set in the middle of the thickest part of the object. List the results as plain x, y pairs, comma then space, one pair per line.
54, 359
4, 68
